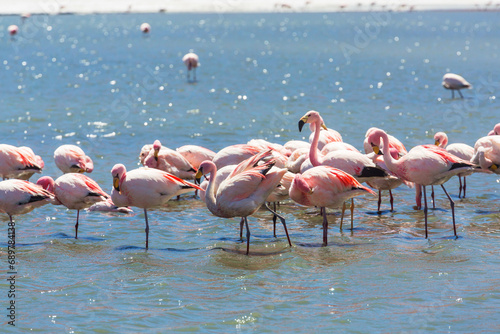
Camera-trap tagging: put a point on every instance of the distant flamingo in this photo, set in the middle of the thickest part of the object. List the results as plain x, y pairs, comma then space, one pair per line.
146, 188
325, 187
455, 82
74, 191
243, 192
145, 27
191, 62
72, 159
13, 29
424, 165
170, 161
19, 162
463, 151
20, 197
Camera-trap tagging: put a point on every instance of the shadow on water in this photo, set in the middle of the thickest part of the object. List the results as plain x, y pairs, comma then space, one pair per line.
168, 249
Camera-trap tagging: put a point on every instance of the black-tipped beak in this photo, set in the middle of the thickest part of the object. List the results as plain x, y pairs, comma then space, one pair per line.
301, 125
197, 177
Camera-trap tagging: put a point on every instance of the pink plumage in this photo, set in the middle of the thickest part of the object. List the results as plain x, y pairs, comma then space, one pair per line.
72, 159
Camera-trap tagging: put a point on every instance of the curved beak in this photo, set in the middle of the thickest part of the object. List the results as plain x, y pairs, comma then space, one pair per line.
198, 175
116, 183
437, 143
493, 167
377, 150
301, 124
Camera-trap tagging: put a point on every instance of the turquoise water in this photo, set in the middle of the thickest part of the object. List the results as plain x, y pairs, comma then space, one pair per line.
98, 82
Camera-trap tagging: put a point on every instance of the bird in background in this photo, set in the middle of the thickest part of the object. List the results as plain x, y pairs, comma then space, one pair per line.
145, 27
19, 162
191, 61
146, 188
455, 82
19, 197
75, 191
72, 159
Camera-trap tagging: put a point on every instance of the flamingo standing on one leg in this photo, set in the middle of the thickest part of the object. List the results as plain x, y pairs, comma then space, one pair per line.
463, 151
325, 187
243, 192
74, 191
455, 82
191, 61
424, 165
72, 159
20, 197
146, 188
19, 162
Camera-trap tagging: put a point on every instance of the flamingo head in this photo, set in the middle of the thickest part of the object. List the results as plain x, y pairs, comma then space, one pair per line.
440, 139
496, 130
156, 148
374, 140
118, 172
47, 183
311, 117
206, 167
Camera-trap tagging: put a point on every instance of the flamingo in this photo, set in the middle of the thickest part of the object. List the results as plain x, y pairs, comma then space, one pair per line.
489, 147
145, 152
72, 159
424, 165
75, 191
12, 29
486, 163
495, 131
455, 82
109, 206
293, 145
195, 154
394, 143
243, 192
145, 27
146, 188
463, 151
234, 154
191, 61
326, 136
19, 162
325, 187
169, 161
20, 197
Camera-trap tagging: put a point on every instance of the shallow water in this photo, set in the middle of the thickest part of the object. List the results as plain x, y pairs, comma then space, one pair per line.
96, 81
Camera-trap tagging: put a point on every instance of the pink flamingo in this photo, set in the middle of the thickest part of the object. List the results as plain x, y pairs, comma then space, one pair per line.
234, 154
74, 191
169, 161
424, 165
463, 151
191, 61
455, 82
325, 187
489, 147
19, 162
485, 163
145, 27
72, 159
195, 154
394, 143
326, 135
20, 197
109, 206
495, 131
145, 152
146, 188
243, 192
13, 29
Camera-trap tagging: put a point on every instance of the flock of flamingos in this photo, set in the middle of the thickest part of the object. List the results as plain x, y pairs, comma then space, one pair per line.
324, 172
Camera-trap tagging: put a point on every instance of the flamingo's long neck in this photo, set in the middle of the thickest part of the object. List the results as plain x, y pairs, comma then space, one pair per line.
210, 198
391, 163
313, 151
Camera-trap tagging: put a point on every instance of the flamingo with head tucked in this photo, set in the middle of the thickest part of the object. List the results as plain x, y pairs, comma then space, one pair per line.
169, 161
463, 151
72, 159
325, 187
495, 131
146, 188
19, 162
20, 197
424, 165
191, 61
75, 191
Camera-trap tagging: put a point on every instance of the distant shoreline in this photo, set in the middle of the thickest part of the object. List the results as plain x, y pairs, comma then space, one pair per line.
75, 7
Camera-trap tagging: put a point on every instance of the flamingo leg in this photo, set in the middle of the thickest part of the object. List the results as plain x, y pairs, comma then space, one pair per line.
282, 222
432, 196
459, 92
418, 196
452, 93
352, 214
248, 235
194, 74
325, 228
465, 186
452, 205
242, 221
147, 228
392, 200
275, 215
76, 225
341, 217
425, 211
460, 187
379, 201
